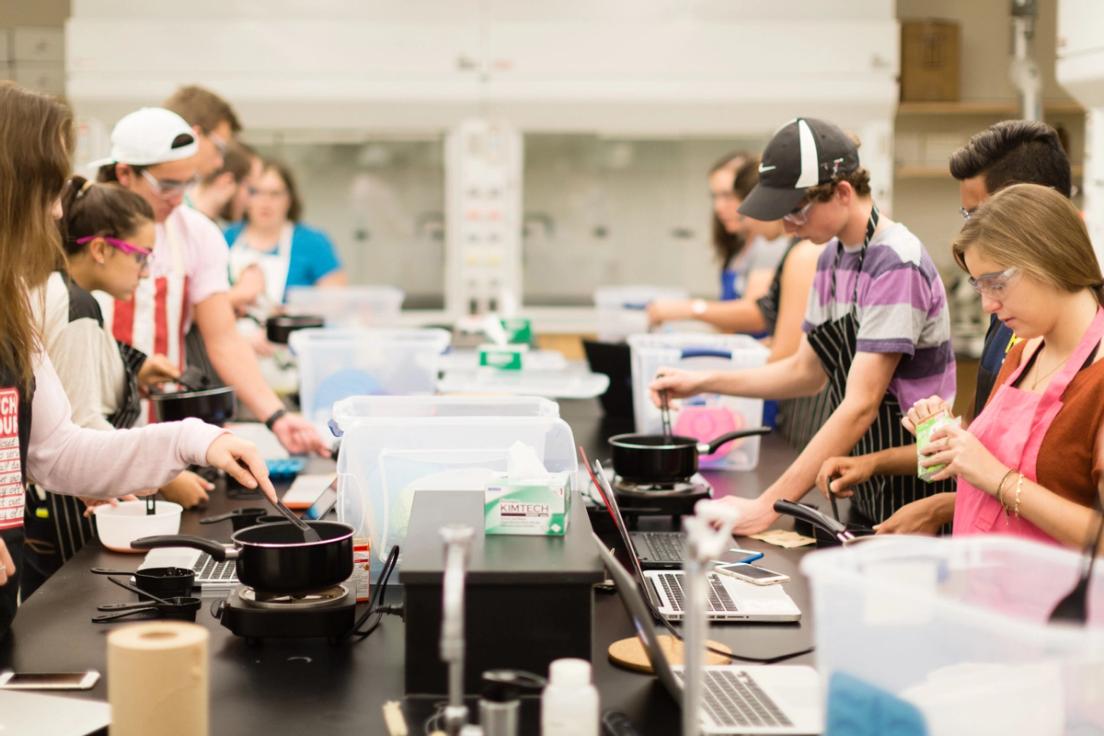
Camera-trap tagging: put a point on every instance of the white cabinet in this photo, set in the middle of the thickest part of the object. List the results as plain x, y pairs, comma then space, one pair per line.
39, 45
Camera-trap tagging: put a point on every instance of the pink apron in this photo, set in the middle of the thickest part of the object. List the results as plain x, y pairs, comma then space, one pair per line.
1012, 427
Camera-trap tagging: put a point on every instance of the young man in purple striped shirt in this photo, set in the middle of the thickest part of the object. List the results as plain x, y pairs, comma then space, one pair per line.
877, 333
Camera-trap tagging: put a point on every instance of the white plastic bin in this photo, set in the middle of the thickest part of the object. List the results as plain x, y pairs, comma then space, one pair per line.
383, 462
569, 384
957, 628
621, 308
349, 412
708, 415
348, 306
336, 364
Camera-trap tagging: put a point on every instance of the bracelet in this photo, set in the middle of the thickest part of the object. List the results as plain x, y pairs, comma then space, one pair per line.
698, 307
275, 417
1019, 489
1000, 489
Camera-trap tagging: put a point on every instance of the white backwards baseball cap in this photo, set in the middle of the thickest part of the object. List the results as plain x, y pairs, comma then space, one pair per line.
151, 135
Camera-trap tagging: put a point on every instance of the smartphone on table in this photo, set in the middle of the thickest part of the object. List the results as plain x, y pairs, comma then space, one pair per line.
48, 680
751, 573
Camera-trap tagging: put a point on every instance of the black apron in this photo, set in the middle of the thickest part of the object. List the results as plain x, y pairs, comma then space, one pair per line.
835, 342
55, 525
13, 538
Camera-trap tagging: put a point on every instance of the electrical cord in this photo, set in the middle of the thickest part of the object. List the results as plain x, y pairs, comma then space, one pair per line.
374, 607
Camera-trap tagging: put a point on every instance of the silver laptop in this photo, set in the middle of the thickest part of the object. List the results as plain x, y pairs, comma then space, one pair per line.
209, 572
36, 713
729, 599
736, 699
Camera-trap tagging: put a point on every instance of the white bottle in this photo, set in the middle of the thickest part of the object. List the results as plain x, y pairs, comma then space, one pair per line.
569, 704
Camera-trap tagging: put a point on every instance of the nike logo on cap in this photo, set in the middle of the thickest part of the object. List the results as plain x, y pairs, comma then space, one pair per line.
763, 168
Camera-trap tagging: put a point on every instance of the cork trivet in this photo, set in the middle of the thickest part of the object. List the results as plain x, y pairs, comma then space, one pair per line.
629, 653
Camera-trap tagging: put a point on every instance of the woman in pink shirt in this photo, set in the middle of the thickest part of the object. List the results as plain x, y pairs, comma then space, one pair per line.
36, 136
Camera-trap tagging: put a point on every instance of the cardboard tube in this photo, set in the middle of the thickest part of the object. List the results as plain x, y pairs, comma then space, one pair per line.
157, 679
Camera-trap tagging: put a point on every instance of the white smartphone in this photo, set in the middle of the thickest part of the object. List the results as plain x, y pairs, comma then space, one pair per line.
48, 680
751, 573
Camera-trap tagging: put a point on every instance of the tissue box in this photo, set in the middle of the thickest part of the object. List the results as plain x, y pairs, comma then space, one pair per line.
503, 357
518, 330
528, 506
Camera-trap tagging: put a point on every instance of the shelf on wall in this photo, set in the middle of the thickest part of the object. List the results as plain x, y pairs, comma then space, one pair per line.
981, 107
916, 171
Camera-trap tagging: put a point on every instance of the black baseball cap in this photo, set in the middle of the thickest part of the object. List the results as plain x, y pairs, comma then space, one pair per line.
803, 153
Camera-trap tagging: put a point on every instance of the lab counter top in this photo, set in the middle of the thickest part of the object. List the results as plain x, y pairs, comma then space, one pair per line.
281, 686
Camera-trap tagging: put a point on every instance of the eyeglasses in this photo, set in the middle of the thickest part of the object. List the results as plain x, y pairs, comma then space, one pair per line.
141, 255
168, 187
722, 196
219, 143
799, 216
267, 193
992, 285
967, 213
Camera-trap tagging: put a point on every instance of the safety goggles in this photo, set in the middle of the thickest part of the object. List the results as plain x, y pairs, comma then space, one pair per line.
141, 255
167, 187
993, 285
799, 216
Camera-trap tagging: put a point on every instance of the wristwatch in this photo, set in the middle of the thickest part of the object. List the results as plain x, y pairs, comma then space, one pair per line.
275, 417
697, 307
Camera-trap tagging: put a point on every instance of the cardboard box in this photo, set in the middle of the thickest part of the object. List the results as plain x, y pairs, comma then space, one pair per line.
929, 61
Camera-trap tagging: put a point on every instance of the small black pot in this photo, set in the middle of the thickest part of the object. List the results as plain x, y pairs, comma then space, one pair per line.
274, 558
162, 582
658, 458
279, 327
212, 405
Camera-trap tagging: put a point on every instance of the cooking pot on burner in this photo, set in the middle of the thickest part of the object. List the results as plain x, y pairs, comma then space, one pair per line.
660, 458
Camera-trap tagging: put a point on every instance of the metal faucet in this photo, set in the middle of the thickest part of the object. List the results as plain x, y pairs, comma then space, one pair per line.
457, 544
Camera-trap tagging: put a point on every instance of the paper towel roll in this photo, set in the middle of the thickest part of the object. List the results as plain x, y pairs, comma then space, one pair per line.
157, 679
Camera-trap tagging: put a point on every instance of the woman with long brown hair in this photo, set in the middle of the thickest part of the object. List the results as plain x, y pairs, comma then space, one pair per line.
37, 436
1031, 463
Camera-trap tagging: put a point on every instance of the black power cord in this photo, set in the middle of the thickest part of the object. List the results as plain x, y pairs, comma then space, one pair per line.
374, 608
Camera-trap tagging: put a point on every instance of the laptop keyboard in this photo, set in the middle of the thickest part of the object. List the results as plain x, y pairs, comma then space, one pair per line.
732, 698
208, 570
719, 599
662, 546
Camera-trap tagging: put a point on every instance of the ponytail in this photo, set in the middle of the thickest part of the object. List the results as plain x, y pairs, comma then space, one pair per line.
90, 209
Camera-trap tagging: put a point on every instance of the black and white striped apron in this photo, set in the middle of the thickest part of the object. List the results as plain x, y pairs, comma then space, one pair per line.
835, 342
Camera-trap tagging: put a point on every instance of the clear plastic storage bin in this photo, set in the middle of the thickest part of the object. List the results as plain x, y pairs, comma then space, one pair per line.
957, 630
348, 306
708, 415
384, 462
349, 412
569, 384
621, 308
336, 364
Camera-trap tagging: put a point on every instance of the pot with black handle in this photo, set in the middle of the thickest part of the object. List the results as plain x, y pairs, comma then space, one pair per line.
274, 558
659, 458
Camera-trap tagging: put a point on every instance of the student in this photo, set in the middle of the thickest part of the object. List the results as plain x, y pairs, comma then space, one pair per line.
877, 332
1031, 463
273, 238
749, 251
1006, 153
36, 135
225, 193
107, 235
154, 155
213, 121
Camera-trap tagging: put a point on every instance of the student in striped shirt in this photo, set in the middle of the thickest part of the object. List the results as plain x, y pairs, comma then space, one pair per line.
877, 332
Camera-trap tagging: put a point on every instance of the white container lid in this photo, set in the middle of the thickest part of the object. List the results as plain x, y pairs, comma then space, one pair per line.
569, 673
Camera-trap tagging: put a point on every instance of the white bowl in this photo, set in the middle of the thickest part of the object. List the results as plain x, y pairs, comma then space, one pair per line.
120, 525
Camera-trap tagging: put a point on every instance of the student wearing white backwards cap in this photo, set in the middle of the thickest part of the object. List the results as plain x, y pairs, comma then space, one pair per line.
154, 155
877, 334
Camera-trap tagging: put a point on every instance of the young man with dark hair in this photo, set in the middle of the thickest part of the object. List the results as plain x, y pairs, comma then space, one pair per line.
215, 195
212, 119
1006, 153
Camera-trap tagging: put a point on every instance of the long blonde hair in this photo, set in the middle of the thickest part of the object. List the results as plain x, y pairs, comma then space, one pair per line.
1037, 230
36, 136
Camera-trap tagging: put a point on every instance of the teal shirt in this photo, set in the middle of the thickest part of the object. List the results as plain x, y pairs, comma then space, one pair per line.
313, 256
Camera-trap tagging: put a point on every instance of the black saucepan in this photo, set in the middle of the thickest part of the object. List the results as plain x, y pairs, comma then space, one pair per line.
274, 558
212, 405
239, 518
182, 608
159, 582
279, 327
658, 458
827, 531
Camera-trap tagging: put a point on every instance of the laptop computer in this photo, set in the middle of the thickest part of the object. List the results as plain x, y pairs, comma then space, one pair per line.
737, 699
729, 599
613, 359
209, 572
24, 712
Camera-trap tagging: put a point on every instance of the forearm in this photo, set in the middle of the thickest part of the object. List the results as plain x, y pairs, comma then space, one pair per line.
236, 364
784, 379
836, 437
895, 461
1068, 522
740, 315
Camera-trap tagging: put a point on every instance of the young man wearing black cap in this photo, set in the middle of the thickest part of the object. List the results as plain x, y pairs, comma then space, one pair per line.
877, 333
1005, 153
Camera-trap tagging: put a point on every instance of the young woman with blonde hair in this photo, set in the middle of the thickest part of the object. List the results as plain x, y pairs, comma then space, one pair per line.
1031, 463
